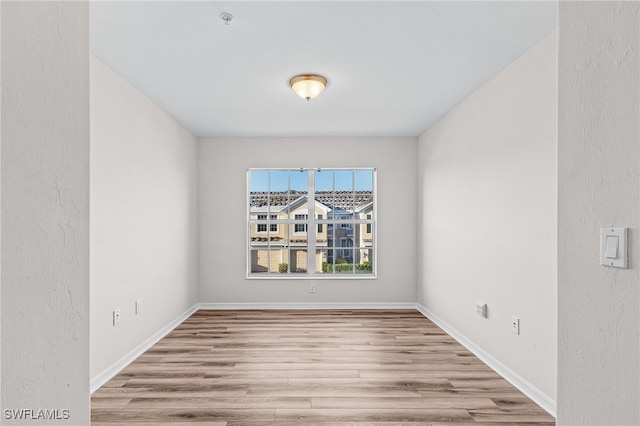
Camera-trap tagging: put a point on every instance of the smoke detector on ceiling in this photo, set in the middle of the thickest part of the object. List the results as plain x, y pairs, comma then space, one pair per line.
226, 17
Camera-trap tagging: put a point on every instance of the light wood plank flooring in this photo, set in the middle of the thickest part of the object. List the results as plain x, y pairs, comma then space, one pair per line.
226, 368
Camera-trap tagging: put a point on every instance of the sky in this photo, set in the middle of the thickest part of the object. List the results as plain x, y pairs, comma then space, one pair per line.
297, 180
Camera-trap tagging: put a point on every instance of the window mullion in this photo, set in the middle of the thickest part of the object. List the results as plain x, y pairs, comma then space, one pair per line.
289, 232
268, 213
311, 225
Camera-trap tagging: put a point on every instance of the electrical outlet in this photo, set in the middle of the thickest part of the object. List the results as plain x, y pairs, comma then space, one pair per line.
481, 309
312, 288
515, 325
138, 306
116, 316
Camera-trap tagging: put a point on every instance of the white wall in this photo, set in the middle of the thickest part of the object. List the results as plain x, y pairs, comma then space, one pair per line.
598, 185
0, 207
44, 212
143, 217
45, 209
487, 184
222, 213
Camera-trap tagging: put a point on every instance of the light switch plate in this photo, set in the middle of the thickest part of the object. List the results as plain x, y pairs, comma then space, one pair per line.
613, 247
481, 309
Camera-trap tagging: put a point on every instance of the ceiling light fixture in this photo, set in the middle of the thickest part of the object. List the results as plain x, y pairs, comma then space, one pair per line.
308, 86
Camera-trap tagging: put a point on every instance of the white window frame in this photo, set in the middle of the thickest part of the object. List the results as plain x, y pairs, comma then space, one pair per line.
312, 229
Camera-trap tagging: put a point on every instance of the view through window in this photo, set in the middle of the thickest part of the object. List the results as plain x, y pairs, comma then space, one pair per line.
311, 222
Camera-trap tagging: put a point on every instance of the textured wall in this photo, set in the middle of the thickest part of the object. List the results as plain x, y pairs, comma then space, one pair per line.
0, 206
598, 158
487, 185
143, 217
222, 217
45, 209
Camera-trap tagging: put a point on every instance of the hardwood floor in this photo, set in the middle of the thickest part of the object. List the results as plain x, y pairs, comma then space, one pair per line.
226, 368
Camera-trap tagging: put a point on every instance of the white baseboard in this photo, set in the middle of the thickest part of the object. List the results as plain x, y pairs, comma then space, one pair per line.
539, 397
108, 373
303, 306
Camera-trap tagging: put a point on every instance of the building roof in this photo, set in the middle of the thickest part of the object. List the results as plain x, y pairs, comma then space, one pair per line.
345, 200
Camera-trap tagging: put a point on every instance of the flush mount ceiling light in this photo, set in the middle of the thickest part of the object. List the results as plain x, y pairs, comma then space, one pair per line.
308, 86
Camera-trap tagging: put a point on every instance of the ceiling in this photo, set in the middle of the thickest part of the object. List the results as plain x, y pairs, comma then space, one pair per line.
394, 68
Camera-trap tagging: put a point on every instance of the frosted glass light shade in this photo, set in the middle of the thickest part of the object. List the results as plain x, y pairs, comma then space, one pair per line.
308, 86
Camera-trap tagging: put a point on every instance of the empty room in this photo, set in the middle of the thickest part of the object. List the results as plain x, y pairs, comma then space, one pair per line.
472, 168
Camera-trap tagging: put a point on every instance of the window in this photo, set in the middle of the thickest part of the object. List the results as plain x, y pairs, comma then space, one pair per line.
262, 227
300, 227
346, 255
311, 223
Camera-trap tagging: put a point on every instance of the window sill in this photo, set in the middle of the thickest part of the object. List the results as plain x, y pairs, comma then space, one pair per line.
313, 277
